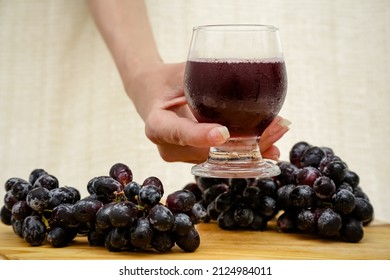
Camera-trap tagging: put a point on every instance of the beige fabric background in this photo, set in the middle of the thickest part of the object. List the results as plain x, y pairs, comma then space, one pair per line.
63, 108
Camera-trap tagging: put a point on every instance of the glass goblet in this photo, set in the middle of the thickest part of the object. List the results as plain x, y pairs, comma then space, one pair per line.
236, 76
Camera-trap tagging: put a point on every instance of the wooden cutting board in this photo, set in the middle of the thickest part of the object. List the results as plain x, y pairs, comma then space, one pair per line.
218, 244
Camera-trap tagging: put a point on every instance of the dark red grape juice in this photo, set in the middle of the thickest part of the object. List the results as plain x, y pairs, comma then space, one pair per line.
243, 95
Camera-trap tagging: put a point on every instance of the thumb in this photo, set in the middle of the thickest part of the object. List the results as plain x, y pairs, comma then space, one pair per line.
186, 132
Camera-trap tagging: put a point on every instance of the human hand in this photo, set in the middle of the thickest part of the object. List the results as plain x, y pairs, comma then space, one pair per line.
157, 92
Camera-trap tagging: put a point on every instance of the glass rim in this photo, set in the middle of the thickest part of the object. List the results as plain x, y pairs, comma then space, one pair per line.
236, 27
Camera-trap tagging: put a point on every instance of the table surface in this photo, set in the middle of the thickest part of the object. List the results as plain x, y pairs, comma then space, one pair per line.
218, 244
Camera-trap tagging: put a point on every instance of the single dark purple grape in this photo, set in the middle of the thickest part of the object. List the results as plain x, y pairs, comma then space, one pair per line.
152, 180
190, 241
163, 241
117, 239
212, 212
345, 186
206, 182
336, 170
132, 191
312, 157
76, 193
213, 191
194, 188
268, 206
91, 197
343, 201
251, 197
328, 151
62, 215
33, 230
225, 200
259, 222
123, 214
297, 151
96, 238
47, 181
243, 216
11, 181
108, 244
226, 220
329, 223
17, 227
103, 221
363, 210
324, 187
61, 195
287, 173
85, 210
307, 175
105, 187
286, 222
84, 228
20, 189
237, 185
122, 173
267, 186
326, 160
9, 200
149, 195
352, 230
358, 192
180, 201
302, 196
35, 174
91, 185
161, 218
352, 178
5, 216
39, 198
59, 237
141, 233
197, 213
21, 210
283, 196
307, 221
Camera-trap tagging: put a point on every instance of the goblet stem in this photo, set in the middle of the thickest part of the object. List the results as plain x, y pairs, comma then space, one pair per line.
239, 157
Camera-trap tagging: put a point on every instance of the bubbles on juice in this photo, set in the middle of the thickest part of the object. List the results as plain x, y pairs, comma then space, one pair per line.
239, 60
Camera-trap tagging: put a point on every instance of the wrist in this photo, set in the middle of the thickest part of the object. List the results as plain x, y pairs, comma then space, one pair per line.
138, 78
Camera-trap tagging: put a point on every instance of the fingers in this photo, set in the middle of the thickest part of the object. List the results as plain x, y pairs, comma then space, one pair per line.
183, 134
278, 127
271, 153
168, 128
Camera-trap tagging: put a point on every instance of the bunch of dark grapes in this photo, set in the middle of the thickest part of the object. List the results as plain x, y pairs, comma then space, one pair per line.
239, 203
315, 193
38, 209
118, 213
319, 194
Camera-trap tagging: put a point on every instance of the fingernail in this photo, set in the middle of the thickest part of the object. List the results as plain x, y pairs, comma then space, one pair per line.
219, 134
284, 123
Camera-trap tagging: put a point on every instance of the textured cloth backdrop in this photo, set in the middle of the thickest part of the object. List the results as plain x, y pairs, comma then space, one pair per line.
63, 108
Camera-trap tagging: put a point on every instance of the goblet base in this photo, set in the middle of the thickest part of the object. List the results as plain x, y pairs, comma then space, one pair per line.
237, 158
265, 169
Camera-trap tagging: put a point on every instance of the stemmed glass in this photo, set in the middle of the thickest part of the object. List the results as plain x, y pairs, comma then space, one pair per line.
236, 76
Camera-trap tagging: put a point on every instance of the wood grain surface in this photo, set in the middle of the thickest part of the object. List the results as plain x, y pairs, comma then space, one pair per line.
218, 244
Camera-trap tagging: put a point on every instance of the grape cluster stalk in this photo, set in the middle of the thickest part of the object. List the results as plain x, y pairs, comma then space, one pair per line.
119, 213
316, 193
